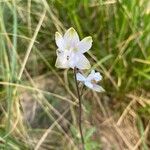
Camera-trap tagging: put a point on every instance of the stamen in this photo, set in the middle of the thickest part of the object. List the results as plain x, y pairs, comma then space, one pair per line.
67, 57
93, 81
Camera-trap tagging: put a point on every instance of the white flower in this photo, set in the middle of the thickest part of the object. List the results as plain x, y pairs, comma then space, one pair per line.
91, 80
70, 52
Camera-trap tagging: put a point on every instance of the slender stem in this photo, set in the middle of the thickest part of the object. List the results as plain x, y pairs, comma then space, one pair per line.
80, 109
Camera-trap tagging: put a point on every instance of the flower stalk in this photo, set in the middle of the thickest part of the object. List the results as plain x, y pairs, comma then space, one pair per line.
80, 109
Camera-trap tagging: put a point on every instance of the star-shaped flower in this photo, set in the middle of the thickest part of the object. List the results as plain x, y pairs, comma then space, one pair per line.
70, 52
91, 80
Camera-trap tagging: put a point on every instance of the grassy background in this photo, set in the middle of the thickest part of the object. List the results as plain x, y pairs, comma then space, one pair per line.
38, 101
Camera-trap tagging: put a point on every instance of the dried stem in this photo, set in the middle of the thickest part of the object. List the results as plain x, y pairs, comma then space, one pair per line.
80, 109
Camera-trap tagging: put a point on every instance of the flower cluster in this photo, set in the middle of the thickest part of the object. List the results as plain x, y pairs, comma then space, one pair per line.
70, 54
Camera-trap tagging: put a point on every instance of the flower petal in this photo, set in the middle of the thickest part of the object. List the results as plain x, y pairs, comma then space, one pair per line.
97, 76
61, 62
80, 77
93, 72
91, 76
82, 62
88, 84
85, 44
97, 88
94, 76
59, 40
59, 52
71, 38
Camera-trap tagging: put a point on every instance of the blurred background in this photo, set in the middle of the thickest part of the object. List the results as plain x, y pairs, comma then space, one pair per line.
38, 102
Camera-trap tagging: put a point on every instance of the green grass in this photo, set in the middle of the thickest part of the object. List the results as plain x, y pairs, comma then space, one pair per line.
121, 37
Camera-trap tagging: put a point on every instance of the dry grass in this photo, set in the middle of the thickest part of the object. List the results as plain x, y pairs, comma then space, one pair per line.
38, 103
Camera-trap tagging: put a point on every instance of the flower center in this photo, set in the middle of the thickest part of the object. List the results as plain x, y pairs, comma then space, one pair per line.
93, 81
68, 57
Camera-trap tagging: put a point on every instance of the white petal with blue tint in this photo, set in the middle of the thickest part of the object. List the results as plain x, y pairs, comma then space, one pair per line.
85, 44
98, 88
61, 62
59, 40
88, 84
80, 77
83, 62
71, 38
